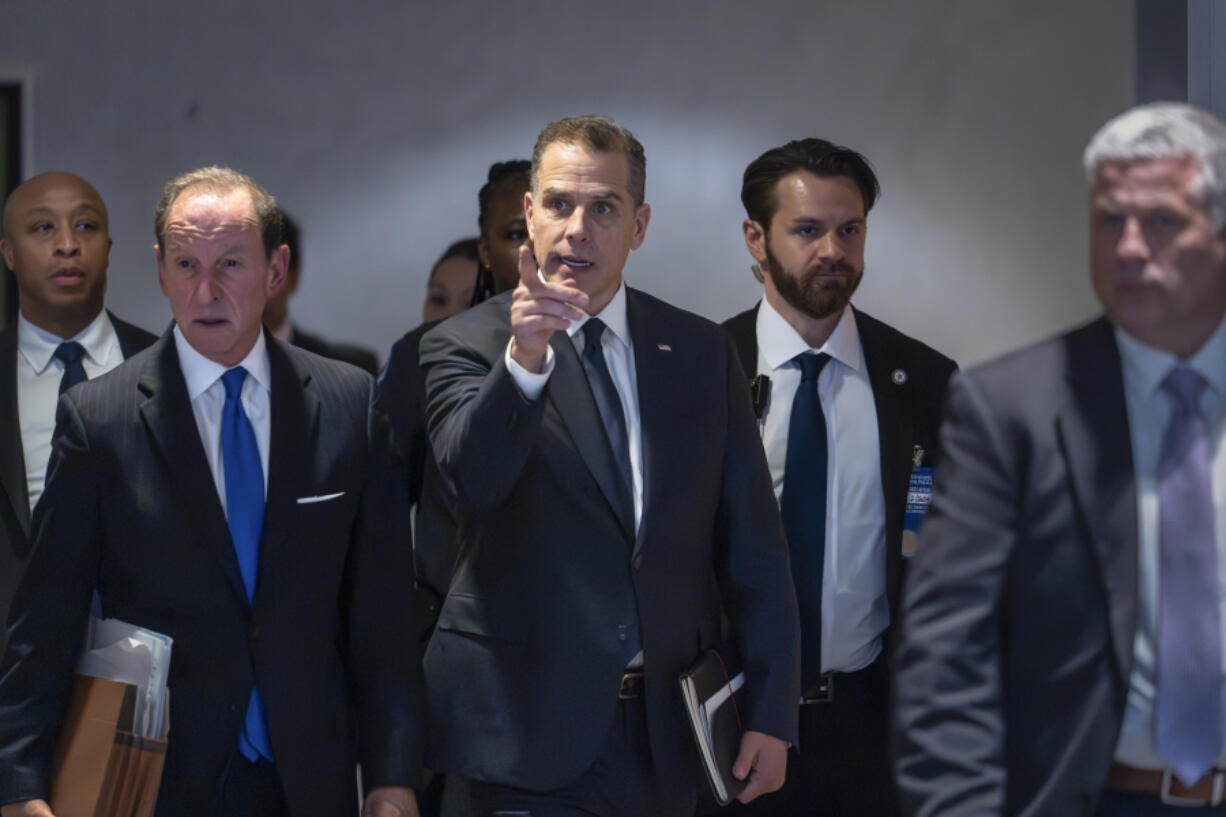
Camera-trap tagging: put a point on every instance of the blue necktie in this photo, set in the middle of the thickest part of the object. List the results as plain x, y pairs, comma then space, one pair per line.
1189, 714
610, 407
245, 516
70, 353
803, 506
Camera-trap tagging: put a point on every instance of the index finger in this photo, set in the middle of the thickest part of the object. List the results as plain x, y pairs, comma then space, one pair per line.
528, 270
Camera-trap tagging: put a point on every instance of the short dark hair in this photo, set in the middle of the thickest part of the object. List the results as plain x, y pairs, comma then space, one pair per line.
503, 178
600, 135
464, 248
816, 156
291, 236
221, 180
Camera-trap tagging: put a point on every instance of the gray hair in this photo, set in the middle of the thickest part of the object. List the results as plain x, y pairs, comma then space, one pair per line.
1167, 130
216, 179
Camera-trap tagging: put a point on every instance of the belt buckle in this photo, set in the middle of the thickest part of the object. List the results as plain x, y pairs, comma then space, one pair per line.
631, 686
821, 692
1214, 798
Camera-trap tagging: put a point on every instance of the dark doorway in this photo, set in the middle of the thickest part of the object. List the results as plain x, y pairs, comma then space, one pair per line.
10, 177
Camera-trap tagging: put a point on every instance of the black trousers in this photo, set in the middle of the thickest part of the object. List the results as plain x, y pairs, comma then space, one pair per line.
251, 790
621, 782
841, 767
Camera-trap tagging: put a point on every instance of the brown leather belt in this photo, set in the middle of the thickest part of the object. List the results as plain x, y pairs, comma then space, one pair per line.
1208, 791
631, 686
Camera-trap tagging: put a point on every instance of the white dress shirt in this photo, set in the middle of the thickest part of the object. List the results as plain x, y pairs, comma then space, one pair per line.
38, 385
619, 357
1149, 411
208, 395
855, 609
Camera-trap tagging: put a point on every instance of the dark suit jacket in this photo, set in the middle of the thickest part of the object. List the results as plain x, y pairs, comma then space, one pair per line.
1020, 607
523, 670
14, 494
349, 353
400, 418
132, 510
908, 413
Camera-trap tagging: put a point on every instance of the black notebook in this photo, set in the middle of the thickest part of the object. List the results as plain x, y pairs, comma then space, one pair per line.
711, 689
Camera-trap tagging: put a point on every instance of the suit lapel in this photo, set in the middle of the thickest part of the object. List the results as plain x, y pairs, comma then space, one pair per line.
12, 460
657, 383
295, 426
1093, 431
894, 436
167, 413
572, 397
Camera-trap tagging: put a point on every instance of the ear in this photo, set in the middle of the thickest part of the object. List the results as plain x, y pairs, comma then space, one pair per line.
642, 215
6, 249
278, 264
755, 239
528, 215
483, 253
157, 254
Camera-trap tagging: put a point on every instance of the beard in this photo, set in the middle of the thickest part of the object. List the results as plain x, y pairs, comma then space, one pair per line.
809, 294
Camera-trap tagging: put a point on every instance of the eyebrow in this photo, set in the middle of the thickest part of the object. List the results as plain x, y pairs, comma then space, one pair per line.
603, 195
40, 209
811, 220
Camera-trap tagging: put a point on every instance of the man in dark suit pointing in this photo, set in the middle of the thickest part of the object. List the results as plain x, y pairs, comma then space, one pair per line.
1062, 621
849, 409
56, 241
220, 488
612, 500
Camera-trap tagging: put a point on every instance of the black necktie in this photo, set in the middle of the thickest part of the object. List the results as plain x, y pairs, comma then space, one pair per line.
803, 506
70, 353
610, 407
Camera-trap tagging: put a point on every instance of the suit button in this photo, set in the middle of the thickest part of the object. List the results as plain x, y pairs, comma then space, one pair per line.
253, 633
622, 630
638, 561
233, 707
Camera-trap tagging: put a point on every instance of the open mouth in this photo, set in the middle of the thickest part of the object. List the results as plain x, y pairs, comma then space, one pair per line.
575, 263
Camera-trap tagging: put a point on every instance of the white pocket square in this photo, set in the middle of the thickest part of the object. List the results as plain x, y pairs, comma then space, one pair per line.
307, 500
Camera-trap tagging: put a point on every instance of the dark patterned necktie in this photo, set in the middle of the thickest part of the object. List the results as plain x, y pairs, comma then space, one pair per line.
70, 354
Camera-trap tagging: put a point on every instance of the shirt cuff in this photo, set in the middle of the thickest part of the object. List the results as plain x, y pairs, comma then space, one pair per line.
530, 384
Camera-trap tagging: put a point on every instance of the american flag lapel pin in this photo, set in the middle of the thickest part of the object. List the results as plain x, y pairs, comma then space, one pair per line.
664, 347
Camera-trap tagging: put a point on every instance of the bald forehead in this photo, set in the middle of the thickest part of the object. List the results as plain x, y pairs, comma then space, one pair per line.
46, 189
208, 213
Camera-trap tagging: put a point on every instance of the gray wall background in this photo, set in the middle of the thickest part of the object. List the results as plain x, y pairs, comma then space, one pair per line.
374, 123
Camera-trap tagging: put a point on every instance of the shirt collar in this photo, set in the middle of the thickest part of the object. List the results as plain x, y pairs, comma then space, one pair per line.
613, 315
201, 373
38, 346
779, 342
1147, 366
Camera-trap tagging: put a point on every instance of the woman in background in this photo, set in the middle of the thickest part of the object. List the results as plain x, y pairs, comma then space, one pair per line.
503, 227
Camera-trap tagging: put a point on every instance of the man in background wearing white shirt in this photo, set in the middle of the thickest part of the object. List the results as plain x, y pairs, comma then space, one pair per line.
848, 410
57, 243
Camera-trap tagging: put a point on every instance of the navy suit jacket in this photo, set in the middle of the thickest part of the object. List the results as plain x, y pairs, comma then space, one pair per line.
131, 509
1020, 608
350, 353
14, 493
523, 670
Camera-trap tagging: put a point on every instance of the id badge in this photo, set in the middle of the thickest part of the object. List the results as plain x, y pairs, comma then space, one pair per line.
919, 495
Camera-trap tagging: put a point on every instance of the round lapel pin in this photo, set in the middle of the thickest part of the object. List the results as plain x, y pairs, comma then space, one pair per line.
899, 376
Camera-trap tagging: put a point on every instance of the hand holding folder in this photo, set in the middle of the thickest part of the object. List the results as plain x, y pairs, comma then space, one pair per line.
113, 741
